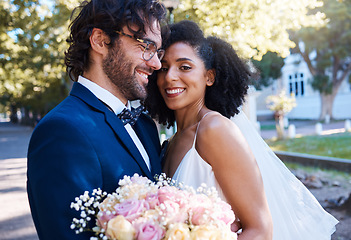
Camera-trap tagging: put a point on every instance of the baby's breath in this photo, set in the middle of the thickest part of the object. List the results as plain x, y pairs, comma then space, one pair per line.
87, 205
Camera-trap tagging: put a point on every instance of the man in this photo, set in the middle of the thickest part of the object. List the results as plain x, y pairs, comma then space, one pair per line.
82, 145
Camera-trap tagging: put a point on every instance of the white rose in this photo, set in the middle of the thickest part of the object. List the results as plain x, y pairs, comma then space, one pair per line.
120, 228
227, 234
205, 232
178, 231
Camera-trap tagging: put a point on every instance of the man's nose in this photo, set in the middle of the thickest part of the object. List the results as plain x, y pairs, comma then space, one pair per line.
154, 63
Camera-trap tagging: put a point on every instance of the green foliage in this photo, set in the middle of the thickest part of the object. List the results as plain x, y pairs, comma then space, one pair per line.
327, 49
32, 70
252, 27
322, 83
269, 68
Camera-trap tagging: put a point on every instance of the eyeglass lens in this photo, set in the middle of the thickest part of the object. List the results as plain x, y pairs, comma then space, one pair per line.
150, 48
160, 54
150, 51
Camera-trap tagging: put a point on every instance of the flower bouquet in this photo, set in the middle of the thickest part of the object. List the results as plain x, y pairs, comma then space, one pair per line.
142, 209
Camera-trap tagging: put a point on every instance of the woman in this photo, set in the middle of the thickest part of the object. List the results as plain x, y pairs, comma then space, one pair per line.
182, 81
201, 84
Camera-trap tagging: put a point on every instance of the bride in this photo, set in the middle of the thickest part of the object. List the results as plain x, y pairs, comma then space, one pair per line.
202, 83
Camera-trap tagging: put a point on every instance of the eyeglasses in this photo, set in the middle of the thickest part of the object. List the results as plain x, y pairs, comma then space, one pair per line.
149, 50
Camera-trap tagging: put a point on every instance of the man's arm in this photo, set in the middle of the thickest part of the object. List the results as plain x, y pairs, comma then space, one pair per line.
62, 164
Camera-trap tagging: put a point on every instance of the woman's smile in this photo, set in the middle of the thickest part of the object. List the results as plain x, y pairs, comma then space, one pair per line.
174, 92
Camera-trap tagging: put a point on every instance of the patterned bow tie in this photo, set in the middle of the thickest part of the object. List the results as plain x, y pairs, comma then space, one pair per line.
130, 116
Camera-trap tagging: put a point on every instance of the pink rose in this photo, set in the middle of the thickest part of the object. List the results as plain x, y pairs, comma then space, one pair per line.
169, 208
183, 198
201, 199
198, 215
172, 212
149, 231
152, 200
224, 213
131, 208
166, 193
171, 193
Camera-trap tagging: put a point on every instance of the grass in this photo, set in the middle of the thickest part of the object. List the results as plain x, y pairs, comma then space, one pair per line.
268, 127
333, 145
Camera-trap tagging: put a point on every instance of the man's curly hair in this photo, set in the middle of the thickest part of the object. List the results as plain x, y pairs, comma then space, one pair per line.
109, 16
227, 93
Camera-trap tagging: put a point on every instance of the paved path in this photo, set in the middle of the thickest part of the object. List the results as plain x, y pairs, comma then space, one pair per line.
15, 220
304, 128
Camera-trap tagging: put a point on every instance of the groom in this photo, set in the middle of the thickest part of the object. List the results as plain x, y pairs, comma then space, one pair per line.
90, 140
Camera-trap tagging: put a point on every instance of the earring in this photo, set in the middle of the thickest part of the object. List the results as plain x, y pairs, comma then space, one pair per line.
210, 81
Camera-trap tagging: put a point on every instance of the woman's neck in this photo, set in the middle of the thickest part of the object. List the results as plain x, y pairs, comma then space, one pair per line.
186, 118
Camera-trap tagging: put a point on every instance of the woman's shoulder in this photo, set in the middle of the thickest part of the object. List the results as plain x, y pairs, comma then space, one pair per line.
218, 137
213, 124
215, 127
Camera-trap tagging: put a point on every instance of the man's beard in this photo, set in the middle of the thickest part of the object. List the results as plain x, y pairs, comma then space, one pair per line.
118, 69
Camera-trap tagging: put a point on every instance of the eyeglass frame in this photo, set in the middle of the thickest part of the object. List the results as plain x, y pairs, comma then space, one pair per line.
158, 51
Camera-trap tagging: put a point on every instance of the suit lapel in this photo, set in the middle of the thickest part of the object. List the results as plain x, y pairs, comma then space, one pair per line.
122, 133
114, 122
144, 137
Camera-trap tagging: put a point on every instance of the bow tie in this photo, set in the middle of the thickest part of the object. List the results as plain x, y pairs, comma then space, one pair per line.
130, 116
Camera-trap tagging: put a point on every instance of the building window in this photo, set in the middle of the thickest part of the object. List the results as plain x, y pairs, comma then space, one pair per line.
297, 84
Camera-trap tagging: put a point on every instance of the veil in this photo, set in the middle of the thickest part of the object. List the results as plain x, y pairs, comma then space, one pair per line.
296, 213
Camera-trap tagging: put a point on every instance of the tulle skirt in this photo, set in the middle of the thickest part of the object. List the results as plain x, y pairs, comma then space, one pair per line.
296, 213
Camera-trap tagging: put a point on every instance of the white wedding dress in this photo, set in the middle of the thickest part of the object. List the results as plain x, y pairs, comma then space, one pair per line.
296, 213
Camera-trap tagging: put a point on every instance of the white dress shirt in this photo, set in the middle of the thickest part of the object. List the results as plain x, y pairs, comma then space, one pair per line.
116, 106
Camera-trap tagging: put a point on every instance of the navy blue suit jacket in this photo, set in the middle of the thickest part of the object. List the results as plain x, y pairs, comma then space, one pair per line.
79, 146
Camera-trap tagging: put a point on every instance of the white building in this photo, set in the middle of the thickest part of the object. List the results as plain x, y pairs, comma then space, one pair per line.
295, 79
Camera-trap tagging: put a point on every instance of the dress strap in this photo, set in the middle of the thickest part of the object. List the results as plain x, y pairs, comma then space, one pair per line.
197, 127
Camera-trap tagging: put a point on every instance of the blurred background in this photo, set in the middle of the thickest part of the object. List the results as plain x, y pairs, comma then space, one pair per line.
300, 50
299, 100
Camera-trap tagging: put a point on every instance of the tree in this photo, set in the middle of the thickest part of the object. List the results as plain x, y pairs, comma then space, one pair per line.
269, 68
327, 52
281, 105
253, 27
32, 56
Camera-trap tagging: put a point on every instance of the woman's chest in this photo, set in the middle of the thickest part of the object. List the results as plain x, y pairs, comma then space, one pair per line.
177, 148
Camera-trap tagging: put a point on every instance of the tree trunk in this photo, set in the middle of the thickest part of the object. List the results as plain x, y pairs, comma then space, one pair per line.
279, 125
327, 103
13, 115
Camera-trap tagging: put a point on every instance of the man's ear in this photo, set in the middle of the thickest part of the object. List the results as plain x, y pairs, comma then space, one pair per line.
211, 75
98, 41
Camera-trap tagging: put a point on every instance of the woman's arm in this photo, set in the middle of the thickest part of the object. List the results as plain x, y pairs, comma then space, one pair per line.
222, 145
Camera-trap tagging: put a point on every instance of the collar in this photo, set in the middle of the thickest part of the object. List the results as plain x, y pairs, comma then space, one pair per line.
104, 95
